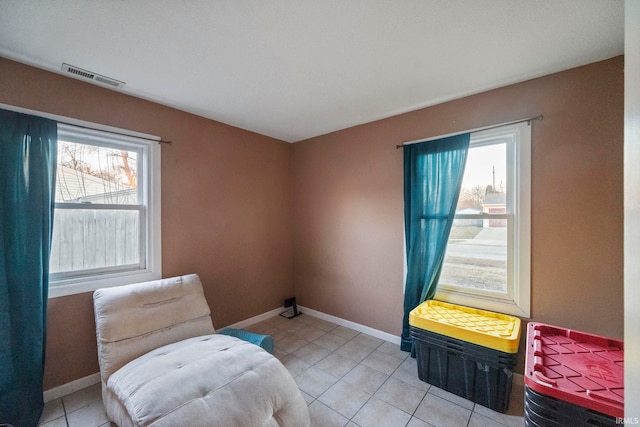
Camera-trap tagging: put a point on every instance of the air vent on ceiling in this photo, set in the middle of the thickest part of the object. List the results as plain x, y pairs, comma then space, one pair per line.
79, 72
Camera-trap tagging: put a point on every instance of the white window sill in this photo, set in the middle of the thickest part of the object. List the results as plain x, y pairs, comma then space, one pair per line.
61, 288
498, 305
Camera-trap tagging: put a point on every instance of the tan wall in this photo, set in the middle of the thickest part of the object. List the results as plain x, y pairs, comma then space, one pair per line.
227, 204
348, 202
226, 208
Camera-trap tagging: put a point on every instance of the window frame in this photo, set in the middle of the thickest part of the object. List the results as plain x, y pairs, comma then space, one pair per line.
517, 300
148, 164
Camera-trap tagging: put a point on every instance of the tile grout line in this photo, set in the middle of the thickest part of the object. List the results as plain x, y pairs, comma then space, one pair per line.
373, 350
472, 410
64, 410
282, 327
412, 415
366, 401
379, 387
347, 373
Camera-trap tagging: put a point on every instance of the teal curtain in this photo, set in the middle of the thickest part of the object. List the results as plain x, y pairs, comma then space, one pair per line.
27, 184
433, 174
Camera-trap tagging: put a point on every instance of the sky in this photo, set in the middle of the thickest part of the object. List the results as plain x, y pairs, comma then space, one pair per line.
480, 162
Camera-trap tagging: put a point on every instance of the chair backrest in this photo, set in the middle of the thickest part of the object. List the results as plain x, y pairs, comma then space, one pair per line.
135, 319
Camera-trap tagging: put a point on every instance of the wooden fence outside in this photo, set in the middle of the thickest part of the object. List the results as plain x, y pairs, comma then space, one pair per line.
94, 238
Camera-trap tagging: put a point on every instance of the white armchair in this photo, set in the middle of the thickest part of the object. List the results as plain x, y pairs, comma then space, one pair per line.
162, 364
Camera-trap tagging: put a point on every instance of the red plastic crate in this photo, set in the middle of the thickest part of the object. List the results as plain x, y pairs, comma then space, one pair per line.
579, 368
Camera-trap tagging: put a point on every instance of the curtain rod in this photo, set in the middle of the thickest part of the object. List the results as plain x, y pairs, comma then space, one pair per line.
75, 122
159, 141
433, 138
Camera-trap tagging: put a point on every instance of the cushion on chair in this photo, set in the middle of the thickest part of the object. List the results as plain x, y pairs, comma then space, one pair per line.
263, 341
213, 380
163, 365
134, 319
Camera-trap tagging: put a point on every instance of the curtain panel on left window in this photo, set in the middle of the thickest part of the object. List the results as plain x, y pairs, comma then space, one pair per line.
27, 187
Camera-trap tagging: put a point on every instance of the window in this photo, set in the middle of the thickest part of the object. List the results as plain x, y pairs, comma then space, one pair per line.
487, 263
106, 229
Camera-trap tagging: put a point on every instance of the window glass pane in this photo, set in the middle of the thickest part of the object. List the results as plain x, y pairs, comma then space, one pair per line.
91, 238
92, 174
484, 184
476, 256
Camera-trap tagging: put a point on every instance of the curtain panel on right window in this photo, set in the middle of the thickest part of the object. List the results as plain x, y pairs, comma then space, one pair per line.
433, 173
487, 260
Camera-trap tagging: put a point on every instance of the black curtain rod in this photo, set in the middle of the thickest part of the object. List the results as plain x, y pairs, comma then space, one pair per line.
159, 141
528, 120
58, 118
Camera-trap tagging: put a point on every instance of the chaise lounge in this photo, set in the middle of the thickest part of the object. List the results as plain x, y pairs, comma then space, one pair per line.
162, 364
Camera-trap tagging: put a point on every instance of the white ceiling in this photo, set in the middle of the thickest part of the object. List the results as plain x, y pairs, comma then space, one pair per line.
293, 69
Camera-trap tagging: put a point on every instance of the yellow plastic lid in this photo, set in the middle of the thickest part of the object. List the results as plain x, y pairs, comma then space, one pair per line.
493, 330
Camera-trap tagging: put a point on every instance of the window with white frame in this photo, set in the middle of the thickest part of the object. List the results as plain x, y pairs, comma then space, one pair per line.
487, 262
106, 229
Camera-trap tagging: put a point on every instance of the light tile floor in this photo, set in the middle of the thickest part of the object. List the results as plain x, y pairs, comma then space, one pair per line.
347, 378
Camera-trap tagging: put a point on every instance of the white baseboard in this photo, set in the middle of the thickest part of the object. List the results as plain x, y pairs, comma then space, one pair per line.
320, 315
353, 325
68, 388
518, 379
79, 384
256, 319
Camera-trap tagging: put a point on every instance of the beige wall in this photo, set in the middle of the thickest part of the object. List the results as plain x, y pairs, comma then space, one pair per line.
229, 196
348, 202
226, 208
